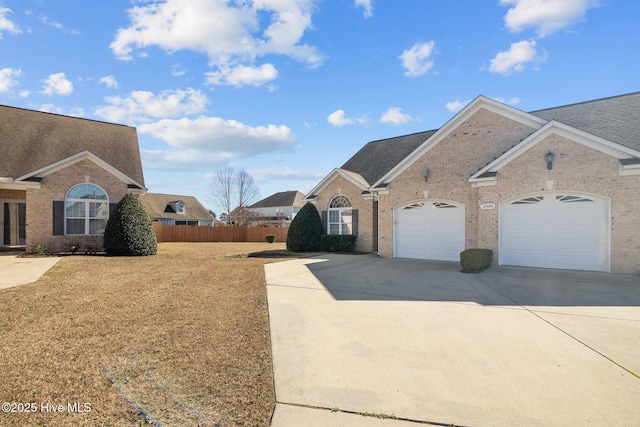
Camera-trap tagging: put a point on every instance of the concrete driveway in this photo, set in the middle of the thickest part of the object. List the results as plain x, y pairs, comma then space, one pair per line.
419, 341
16, 271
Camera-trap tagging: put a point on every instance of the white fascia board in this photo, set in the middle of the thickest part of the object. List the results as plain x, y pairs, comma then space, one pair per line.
633, 169
481, 102
576, 135
330, 177
71, 160
18, 185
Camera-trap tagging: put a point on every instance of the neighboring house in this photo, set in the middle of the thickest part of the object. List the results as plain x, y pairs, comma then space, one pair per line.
170, 209
60, 176
279, 208
555, 188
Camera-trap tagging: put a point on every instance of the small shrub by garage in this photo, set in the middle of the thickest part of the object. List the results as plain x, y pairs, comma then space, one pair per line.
475, 260
337, 243
271, 238
129, 230
305, 230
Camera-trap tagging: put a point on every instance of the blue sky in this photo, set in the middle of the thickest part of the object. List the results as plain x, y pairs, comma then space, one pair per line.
290, 89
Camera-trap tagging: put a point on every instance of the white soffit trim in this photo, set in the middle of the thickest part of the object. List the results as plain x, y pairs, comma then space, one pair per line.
71, 160
553, 127
481, 102
18, 185
349, 176
630, 169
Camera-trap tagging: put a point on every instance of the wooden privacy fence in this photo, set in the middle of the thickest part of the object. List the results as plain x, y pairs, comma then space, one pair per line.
188, 233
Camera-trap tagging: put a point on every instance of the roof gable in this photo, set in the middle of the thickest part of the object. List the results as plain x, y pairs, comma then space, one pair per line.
352, 177
32, 140
156, 205
480, 102
281, 199
489, 172
69, 161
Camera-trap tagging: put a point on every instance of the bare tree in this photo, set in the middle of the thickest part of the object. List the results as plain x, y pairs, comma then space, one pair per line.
247, 189
221, 190
233, 193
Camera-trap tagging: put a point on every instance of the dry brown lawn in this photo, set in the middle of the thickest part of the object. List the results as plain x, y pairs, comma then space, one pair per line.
176, 339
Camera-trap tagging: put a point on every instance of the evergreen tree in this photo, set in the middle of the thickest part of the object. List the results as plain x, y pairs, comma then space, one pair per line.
129, 230
305, 230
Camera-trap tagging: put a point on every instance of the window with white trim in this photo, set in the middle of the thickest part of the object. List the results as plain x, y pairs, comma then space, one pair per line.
86, 210
340, 215
572, 199
529, 201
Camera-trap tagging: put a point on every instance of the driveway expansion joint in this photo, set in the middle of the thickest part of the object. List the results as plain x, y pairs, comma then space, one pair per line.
628, 370
369, 414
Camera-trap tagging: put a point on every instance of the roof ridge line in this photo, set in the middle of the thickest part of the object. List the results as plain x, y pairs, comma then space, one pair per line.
64, 115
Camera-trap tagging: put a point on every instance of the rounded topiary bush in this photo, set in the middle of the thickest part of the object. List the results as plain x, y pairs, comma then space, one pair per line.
129, 230
305, 230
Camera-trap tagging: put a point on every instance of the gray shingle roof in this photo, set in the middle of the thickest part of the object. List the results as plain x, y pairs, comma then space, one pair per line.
377, 158
155, 205
616, 118
30, 140
284, 198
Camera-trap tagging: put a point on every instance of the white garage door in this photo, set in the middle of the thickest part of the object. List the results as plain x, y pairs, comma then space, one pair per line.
429, 230
556, 231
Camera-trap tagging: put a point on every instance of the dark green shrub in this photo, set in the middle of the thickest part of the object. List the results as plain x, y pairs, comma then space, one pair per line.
271, 238
129, 230
474, 260
337, 243
305, 230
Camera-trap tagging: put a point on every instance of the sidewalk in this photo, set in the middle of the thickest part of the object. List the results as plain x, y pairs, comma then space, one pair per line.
16, 271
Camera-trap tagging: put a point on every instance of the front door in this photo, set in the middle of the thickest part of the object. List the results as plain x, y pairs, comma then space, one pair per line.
12, 223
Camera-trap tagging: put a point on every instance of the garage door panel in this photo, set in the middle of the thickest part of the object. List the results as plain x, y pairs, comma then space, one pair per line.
429, 230
556, 231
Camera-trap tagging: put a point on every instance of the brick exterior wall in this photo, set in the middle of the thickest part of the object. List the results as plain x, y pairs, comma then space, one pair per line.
39, 219
339, 185
471, 146
576, 168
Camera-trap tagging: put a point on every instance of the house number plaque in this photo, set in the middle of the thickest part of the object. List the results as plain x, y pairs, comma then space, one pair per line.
487, 206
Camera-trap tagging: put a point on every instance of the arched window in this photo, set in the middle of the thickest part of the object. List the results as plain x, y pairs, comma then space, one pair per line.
340, 215
86, 210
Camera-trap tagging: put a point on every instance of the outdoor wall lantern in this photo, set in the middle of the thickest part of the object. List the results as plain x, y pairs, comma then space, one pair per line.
549, 158
425, 174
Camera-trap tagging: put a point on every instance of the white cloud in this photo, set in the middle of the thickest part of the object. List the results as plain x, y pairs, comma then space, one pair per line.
242, 75
513, 100
57, 84
50, 108
45, 20
514, 59
545, 16
417, 60
204, 141
6, 24
367, 5
109, 81
178, 70
230, 33
286, 174
457, 105
140, 106
394, 115
338, 119
9, 78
